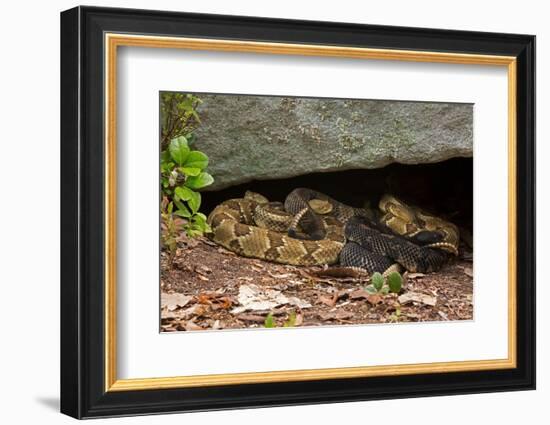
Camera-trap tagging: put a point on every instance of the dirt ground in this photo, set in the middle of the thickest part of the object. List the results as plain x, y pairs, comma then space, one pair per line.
209, 287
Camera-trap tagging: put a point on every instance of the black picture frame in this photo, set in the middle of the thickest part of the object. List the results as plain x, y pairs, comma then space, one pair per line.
83, 392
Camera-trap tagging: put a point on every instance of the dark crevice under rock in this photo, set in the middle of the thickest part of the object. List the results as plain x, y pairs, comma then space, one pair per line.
444, 188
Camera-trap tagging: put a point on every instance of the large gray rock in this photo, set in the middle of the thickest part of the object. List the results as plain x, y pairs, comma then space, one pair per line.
264, 137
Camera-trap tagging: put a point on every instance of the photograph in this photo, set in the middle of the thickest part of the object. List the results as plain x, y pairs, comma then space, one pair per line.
262, 211
286, 211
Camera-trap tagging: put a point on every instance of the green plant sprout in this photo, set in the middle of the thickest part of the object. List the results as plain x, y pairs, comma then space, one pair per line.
383, 286
269, 321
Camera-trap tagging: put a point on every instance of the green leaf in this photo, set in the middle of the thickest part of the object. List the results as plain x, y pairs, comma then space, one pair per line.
201, 215
197, 182
190, 138
190, 171
166, 167
269, 321
179, 150
179, 205
186, 103
192, 233
170, 208
183, 213
377, 281
183, 193
182, 210
194, 201
196, 159
385, 290
199, 219
165, 157
371, 290
395, 281
291, 321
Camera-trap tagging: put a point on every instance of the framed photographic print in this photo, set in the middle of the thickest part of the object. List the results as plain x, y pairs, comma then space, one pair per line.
261, 212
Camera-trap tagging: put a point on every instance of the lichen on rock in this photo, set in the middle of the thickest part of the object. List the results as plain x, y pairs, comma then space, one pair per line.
268, 137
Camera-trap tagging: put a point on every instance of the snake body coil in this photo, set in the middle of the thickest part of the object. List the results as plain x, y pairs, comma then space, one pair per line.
314, 229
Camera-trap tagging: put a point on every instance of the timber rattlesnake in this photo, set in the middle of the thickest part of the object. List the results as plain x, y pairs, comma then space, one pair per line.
311, 228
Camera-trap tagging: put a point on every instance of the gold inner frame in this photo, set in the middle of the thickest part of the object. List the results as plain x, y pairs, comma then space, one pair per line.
113, 41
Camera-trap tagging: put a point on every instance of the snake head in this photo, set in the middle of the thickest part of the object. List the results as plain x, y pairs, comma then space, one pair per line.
256, 197
427, 237
320, 206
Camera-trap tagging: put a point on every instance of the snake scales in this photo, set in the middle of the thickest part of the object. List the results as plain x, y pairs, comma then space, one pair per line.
311, 228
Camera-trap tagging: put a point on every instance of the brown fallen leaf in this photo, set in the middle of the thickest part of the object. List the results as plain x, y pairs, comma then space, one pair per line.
374, 299
417, 297
328, 299
336, 296
257, 267
415, 275
208, 242
299, 320
190, 242
169, 328
192, 326
205, 299
203, 278
362, 294
280, 276
358, 294
181, 265
174, 301
196, 310
294, 283
167, 314
203, 270
168, 325
256, 298
251, 318
336, 315
215, 299
245, 278
226, 251
223, 303
443, 315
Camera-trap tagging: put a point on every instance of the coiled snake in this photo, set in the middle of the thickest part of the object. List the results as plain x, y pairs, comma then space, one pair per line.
311, 228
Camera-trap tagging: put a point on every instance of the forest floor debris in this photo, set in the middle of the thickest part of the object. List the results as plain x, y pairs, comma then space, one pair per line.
208, 287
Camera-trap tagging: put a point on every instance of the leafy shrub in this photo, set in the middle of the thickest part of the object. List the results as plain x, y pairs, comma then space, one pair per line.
178, 114
182, 175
